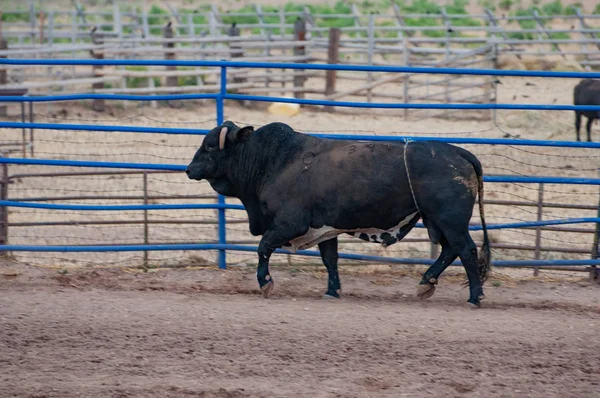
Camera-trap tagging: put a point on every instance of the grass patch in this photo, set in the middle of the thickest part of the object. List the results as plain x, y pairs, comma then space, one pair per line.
553, 8
15, 17
189, 80
505, 5
247, 19
570, 10
155, 18
137, 82
560, 35
488, 4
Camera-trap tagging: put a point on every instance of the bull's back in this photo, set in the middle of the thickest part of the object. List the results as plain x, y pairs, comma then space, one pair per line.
343, 182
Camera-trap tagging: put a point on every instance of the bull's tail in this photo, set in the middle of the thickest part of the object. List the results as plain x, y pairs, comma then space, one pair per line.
485, 257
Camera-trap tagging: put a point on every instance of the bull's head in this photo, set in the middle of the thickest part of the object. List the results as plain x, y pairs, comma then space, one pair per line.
212, 160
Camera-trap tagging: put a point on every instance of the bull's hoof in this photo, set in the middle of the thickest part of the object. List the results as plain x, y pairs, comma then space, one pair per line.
267, 289
335, 294
425, 291
475, 303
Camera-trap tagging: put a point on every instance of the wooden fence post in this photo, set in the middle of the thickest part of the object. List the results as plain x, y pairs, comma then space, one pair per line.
299, 35
236, 49
493, 93
234, 31
146, 240
32, 22
3, 46
172, 81
406, 56
41, 27
538, 230
595, 271
3, 209
448, 29
371, 49
333, 57
97, 104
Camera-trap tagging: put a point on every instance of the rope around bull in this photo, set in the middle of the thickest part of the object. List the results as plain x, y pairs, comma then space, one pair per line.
412, 192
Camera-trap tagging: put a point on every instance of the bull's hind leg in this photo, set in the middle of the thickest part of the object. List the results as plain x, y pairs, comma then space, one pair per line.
329, 255
588, 128
468, 256
577, 124
455, 244
430, 278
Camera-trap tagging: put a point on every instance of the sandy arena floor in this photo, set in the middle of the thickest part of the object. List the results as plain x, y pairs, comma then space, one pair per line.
207, 333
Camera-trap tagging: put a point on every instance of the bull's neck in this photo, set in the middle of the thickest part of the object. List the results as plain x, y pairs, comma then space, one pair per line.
248, 173
254, 163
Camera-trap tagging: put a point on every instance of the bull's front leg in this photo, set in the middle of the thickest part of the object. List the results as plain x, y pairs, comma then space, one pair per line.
265, 281
273, 238
329, 255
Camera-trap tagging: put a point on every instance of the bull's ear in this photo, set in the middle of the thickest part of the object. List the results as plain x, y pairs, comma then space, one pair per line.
242, 134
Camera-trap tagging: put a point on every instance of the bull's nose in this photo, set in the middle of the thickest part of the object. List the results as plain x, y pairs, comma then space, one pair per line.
187, 171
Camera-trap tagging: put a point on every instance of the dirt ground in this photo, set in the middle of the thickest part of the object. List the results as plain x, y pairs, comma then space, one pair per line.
208, 333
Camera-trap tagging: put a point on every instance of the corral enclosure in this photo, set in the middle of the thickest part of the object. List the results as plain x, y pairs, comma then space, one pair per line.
507, 202
93, 324
458, 34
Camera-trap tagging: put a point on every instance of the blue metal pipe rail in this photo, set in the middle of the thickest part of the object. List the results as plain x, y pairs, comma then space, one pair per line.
181, 206
283, 65
176, 167
224, 206
313, 102
124, 97
358, 137
102, 128
223, 95
310, 253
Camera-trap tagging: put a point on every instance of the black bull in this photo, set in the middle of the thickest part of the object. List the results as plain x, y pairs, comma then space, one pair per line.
587, 92
300, 191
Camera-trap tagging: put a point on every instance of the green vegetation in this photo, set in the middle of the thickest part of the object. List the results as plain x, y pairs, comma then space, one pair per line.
548, 9
15, 17
488, 4
553, 8
188, 80
154, 18
505, 4
570, 10
340, 15
334, 16
135, 82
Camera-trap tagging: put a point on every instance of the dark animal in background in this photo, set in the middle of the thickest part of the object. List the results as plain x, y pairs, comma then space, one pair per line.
587, 92
300, 191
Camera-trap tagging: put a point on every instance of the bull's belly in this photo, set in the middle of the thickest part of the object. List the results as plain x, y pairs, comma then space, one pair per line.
314, 236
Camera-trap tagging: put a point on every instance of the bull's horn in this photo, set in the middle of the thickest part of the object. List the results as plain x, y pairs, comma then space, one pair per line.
222, 136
